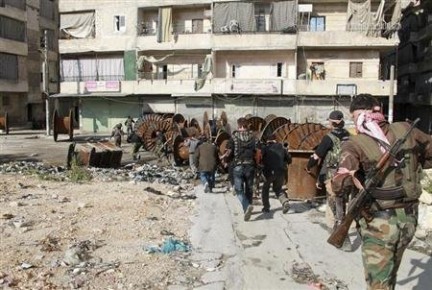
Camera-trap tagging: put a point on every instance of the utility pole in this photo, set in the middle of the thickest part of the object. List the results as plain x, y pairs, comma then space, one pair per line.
391, 95
45, 80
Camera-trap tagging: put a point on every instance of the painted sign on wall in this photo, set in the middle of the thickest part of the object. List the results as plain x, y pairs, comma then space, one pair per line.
102, 86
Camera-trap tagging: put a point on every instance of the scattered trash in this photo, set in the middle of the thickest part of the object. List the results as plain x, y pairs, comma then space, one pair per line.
25, 266
168, 246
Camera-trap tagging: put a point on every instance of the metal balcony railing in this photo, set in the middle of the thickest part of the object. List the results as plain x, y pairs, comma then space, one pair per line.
148, 28
163, 76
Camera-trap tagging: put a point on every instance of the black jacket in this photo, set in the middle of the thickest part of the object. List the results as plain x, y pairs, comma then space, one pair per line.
275, 158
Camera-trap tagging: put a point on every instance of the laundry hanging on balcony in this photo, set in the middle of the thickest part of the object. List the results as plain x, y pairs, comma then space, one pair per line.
151, 59
165, 27
78, 25
359, 15
283, 16
234, 17
206, 69
381, 26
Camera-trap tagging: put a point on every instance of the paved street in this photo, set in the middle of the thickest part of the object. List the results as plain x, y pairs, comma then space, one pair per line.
265, 252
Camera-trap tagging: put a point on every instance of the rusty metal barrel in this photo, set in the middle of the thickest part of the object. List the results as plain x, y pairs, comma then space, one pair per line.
4, 123
62, 125
99, 154
301, 139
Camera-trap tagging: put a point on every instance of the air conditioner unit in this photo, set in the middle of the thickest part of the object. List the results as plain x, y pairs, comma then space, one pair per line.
305, 8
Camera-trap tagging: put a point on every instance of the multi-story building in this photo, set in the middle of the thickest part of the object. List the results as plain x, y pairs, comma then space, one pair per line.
414, 62
297, 59
27, 27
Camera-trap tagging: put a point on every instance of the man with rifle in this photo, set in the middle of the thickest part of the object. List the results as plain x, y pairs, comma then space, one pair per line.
384, 161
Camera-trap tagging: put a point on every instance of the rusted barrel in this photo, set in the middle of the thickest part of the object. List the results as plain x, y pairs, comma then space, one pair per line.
4, 123
62, 125
100, 154
302, 139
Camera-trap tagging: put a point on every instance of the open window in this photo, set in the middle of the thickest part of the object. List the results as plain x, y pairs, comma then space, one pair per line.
317, 71
119, 23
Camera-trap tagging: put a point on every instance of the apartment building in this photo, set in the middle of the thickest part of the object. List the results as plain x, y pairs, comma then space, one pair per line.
27, 27
414, 62
297, 59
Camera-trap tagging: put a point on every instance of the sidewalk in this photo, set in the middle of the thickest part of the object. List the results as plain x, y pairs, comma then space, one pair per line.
277, 251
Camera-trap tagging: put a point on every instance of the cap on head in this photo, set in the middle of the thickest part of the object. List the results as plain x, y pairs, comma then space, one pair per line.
336, 116
364, 102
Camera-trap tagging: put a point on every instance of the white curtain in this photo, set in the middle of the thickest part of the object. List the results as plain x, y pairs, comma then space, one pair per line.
78, 25
164, 24
90, 68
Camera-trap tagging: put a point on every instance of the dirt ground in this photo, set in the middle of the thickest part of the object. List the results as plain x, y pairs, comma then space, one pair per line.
95, 235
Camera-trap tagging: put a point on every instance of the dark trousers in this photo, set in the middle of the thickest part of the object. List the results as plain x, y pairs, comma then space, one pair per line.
243, 183
208, 177
276, 180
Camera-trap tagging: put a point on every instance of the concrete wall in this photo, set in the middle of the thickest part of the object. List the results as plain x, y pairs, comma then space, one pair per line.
336, 62
255, 64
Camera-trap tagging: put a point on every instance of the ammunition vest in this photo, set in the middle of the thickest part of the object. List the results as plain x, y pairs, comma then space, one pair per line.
402, 179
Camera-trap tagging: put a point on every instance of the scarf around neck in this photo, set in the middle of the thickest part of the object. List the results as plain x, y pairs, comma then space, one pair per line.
368, 123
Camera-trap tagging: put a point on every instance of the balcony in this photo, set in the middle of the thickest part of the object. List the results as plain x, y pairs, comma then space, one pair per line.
143, 86
183, 37
254, 41
75, 46
351, 39
247, 86
329, 87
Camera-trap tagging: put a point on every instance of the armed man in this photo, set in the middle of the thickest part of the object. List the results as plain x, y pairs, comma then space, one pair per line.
384, 161
328, 153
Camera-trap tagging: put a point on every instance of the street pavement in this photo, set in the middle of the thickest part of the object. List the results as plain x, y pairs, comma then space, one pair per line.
277, 251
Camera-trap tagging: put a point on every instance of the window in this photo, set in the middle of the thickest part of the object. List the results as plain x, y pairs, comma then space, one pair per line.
235, 70
12, 29
9, 61
317, 23
356, 70
197, 26
165, 72
317, 71
279, 69
20, 4
119, 23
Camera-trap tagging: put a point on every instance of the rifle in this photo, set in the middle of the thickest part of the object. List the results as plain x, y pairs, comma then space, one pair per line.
363, 198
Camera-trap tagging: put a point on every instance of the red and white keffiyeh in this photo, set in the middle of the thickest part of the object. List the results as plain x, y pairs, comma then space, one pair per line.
368, 123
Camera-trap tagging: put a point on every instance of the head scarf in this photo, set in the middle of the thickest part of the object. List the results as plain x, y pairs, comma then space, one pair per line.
368, 123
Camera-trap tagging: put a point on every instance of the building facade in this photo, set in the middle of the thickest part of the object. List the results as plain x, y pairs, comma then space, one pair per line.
297, 59
27, 28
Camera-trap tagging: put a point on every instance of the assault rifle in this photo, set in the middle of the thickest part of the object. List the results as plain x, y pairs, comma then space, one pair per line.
363, 198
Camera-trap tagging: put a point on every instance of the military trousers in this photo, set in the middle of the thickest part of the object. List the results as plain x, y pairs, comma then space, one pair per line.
384, 241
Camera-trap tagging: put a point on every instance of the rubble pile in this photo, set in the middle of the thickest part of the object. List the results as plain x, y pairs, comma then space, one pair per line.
132, 172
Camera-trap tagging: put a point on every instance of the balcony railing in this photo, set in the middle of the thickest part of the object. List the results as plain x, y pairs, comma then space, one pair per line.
92, 78
162, 76
147, 28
